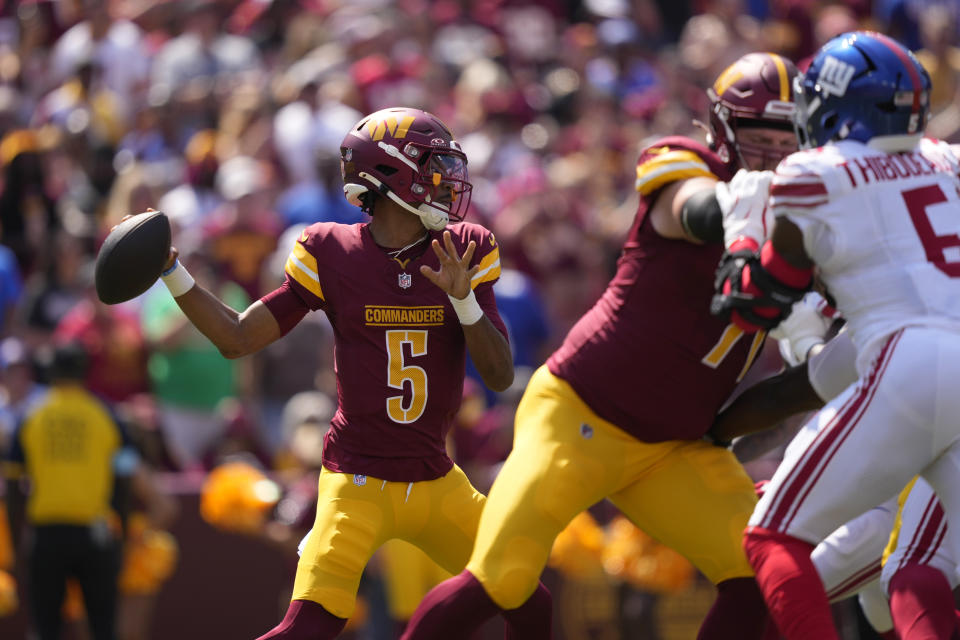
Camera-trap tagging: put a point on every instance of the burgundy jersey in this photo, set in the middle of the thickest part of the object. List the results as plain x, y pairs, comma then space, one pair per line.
648, 356
399, 347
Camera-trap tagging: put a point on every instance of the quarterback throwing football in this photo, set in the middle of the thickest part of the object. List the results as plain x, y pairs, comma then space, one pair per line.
407, 294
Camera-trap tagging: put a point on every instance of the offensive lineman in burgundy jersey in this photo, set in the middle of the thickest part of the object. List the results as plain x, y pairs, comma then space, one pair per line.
620, 409
407, 296
672, 351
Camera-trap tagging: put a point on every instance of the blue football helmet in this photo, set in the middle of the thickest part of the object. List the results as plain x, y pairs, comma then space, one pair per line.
861, 85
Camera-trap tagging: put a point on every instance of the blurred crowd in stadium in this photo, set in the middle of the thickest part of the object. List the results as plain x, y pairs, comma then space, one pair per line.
227, 115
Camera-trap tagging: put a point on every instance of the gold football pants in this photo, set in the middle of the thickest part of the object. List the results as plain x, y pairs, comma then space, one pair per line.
691, 496
357, 514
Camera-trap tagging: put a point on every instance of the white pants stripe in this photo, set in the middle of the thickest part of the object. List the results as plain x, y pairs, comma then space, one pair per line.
923, 536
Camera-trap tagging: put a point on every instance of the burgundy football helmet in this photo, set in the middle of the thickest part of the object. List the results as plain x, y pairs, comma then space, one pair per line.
409, 156
755, 91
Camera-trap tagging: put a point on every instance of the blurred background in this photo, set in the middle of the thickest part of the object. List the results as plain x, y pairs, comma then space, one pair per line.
227, 115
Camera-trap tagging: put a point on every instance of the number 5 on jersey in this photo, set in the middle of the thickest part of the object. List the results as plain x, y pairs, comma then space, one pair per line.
399, 374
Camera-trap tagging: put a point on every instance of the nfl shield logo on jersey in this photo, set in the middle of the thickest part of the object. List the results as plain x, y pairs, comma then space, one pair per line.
405, 280
586, 431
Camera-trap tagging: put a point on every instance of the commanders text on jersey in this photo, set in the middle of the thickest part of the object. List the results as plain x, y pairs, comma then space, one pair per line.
376, 315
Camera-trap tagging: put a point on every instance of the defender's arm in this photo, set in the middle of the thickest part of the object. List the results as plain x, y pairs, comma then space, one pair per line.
767, 403
830, 369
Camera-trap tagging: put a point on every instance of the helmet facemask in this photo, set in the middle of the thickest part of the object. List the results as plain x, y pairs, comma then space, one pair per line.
727, 134
439, 189
801, 116
758, 155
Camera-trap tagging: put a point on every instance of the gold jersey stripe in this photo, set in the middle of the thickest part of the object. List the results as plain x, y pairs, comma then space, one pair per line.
302, 267
731, 335
670, 167
490, 258
758, 339
489, 268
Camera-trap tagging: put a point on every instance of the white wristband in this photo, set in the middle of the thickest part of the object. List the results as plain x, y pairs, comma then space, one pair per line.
468, 310
177, 279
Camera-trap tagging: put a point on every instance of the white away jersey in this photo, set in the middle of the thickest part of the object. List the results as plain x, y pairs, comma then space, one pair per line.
884, 229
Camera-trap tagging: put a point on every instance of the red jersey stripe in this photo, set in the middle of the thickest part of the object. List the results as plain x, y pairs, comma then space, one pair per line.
786, 203
798, 189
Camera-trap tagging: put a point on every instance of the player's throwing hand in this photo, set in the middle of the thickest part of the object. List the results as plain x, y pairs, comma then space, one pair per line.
453, 277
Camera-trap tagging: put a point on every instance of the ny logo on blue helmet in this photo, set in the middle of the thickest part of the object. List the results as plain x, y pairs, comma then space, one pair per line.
860, 86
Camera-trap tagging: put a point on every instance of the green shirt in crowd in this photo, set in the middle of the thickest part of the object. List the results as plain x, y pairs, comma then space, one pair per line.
193, 374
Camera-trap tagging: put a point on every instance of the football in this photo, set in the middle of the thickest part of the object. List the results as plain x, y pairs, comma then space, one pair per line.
132, 257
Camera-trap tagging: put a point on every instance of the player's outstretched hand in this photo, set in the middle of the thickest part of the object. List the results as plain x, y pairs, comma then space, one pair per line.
455, 273
173, 250
743, 202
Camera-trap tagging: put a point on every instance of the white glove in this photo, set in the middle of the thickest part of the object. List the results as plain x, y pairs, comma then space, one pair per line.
743, 202
804, 328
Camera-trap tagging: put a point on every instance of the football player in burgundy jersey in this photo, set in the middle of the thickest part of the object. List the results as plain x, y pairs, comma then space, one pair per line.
621, 409
407, 294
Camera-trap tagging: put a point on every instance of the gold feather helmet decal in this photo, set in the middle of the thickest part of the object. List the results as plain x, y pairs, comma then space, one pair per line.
377, 128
